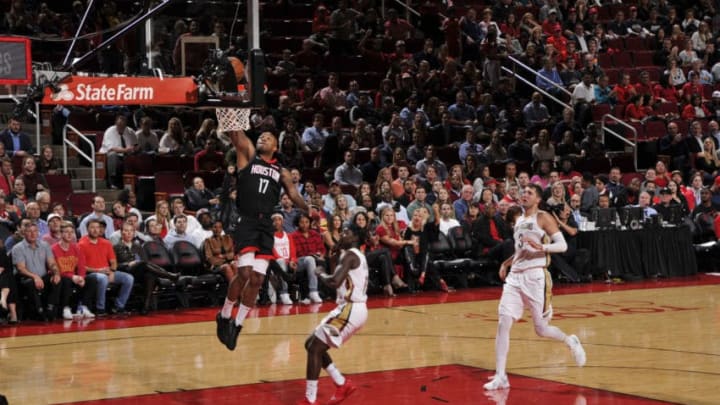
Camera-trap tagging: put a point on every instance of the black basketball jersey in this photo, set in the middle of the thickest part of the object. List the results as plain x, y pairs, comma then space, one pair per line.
258, 187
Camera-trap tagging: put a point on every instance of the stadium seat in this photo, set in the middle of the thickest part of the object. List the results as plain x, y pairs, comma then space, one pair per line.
170, 183
80, 202
598, 110
655, 129
622, 59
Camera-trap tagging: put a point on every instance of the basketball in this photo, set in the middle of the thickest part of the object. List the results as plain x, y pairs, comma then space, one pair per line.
238, 68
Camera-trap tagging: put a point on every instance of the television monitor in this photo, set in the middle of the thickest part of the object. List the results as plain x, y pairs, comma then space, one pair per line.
604, 218
631, 217
675, 215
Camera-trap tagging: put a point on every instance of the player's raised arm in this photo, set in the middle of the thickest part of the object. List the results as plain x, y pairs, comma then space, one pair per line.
348, 262
244, 146
291, 190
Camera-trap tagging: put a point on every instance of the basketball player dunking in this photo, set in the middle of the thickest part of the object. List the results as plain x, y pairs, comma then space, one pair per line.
259, 182
529, 283
351, 280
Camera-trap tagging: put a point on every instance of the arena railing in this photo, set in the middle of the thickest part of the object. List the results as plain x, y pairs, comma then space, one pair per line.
68, 143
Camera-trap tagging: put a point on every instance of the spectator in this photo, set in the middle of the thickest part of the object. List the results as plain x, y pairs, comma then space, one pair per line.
333, 192
71, 264
132, 219
548, 77
289, 213
98, 207
210, 158
397, 28
118, 141
199, 197
147, 140
130, 260
370, 169
310, 251
173, 141
101, 265
32, 212
520, 150
447, 219
220, 252
33, 180
421, 232
348, 173
47, 163
390, 232
7, 180
181, 233
177, 207
673, 144
420, 201
462, 204
16, 142
285, 262
314, 137
431, 160
543, 149
536, 114
39, 274
332, 97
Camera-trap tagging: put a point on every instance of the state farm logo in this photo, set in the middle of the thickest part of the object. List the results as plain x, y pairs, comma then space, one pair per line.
104, 93
64, 94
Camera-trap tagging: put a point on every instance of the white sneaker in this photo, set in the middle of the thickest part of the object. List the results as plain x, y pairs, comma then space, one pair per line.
315, 297
498, 382
577, 350
67, 314
85, 312
305, 301
285, 299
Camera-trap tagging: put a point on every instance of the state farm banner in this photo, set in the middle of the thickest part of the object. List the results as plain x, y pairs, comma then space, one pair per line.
81, 90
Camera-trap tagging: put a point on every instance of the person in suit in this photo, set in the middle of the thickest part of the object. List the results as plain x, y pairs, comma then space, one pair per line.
16, 142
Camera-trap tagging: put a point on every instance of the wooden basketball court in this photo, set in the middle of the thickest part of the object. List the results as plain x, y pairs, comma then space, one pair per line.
649, 342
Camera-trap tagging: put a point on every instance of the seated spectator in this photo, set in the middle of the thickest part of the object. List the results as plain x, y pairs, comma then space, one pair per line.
219, 252
54, 234
129, 254
174, 140
7, 180
101, 265
310, 251
421, 232
147, 139
32, 212
447, 219
210, 158
624, 91
314, 137
548, 77
543, 149
333, 192
348, 173
695, 109
332, 97
420, 201
180, 233
118, 214
431, 160
570, 75
16, 142
178, 208
98, 207
536, 114
39, 274
285, 263
645, 202
462, 204
520, 150
71, 263
390, 233
199, 197
43, 199
47, 163
118, 141
33, 180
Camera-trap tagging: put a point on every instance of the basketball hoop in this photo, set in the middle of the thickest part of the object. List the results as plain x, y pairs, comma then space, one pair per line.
233, 119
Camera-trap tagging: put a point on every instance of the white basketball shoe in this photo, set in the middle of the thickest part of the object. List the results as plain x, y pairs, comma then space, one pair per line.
577, 350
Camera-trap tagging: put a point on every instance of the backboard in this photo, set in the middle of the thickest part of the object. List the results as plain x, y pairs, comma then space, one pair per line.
15, 60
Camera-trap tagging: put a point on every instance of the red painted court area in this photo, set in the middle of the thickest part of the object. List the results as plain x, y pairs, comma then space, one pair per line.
452, 384
426, 298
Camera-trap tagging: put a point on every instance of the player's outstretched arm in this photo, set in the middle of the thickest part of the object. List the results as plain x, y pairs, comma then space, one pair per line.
291, 190
243, 145
349, 261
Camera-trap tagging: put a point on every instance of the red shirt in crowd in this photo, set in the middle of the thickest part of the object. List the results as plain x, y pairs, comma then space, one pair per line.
70, 262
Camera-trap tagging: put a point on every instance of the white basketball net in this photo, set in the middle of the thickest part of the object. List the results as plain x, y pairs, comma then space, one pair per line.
233, 119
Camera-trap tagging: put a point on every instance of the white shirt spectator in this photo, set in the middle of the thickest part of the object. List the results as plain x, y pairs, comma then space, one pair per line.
112, 139
447, 224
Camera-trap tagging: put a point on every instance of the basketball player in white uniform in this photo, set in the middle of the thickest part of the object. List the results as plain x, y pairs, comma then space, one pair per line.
528, 283
351, 280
